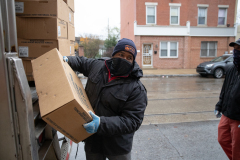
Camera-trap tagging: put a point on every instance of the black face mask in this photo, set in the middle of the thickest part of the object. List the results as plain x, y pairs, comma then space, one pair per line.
120, 67
236, 58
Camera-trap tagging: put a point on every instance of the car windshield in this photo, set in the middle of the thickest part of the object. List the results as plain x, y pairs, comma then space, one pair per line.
219, 59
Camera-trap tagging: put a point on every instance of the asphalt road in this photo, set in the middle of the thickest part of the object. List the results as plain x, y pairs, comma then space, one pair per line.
179, 123
181, 99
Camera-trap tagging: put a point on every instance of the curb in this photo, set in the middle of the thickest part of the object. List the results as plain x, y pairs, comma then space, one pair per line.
170, 75
160, 75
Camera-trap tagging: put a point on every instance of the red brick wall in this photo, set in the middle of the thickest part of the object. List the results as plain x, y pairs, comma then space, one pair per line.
139, 54
188, 50
222, 46
80, 51
128, 12
188, 11
162, 62
189, 47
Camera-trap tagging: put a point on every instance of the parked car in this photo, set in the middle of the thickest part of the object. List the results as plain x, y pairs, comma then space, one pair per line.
216, 67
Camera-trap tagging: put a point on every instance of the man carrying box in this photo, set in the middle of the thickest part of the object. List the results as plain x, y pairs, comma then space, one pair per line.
118, 98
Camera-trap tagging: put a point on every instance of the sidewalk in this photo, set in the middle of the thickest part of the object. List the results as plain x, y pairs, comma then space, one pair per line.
169, 72
164, 72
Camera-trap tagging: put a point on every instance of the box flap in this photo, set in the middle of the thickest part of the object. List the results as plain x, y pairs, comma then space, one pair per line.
51, 82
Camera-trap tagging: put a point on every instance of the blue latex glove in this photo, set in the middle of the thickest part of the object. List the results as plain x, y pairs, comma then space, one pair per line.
92, 126
239, 126
65, 59
218, 114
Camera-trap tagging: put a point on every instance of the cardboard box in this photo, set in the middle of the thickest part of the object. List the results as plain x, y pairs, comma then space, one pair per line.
30, 78
72, 48
71, 32
35, 48
41, 28
71, 16
70, 3
63, 102
28, 69
47, 8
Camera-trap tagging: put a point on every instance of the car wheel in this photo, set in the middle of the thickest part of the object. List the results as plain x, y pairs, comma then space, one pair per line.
203, 75
218, 73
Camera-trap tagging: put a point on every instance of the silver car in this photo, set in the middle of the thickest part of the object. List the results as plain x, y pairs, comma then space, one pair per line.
216, 67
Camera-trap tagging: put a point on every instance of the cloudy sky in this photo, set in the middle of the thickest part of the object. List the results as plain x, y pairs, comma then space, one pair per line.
92, 16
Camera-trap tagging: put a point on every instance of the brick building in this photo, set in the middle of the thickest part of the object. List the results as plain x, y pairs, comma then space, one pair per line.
178, 33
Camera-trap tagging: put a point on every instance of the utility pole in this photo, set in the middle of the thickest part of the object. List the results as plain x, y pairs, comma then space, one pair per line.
108, 28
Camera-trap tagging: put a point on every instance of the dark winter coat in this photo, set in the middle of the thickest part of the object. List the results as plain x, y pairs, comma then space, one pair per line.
120, 104
229, 100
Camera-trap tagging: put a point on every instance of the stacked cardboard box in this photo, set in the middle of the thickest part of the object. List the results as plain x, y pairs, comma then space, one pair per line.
42, 26
71, 28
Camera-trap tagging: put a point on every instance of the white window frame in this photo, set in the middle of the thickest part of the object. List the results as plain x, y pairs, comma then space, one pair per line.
202, 6
175, 5
151, 4
208, 49
168, 50
223, 7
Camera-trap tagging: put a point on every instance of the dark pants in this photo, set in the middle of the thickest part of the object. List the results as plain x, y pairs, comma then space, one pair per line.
96, 156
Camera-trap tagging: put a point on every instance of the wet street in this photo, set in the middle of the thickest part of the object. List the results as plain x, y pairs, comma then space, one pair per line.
179, 122
181, 99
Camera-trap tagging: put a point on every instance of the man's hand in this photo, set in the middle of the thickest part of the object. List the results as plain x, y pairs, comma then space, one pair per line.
218, 114
92, 126
65, 59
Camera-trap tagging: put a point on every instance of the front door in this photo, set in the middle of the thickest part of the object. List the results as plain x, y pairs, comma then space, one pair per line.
147, 55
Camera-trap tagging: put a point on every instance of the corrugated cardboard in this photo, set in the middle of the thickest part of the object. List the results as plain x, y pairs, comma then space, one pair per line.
28, 69
35, 48
72, 48
63, 46
71, 16
71, 32
70, 3
63, 102
37, 8
41, 28
30, 78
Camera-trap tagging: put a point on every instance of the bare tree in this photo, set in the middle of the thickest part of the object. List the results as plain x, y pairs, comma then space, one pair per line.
108, 52
90, 44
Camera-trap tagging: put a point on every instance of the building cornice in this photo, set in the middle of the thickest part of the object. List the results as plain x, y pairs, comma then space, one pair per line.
156, 30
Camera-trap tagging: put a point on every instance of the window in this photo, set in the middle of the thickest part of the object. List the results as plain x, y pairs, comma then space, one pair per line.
222, 16
174, 15
202, 16
151, 12
168, 49
208, 49
151, 15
